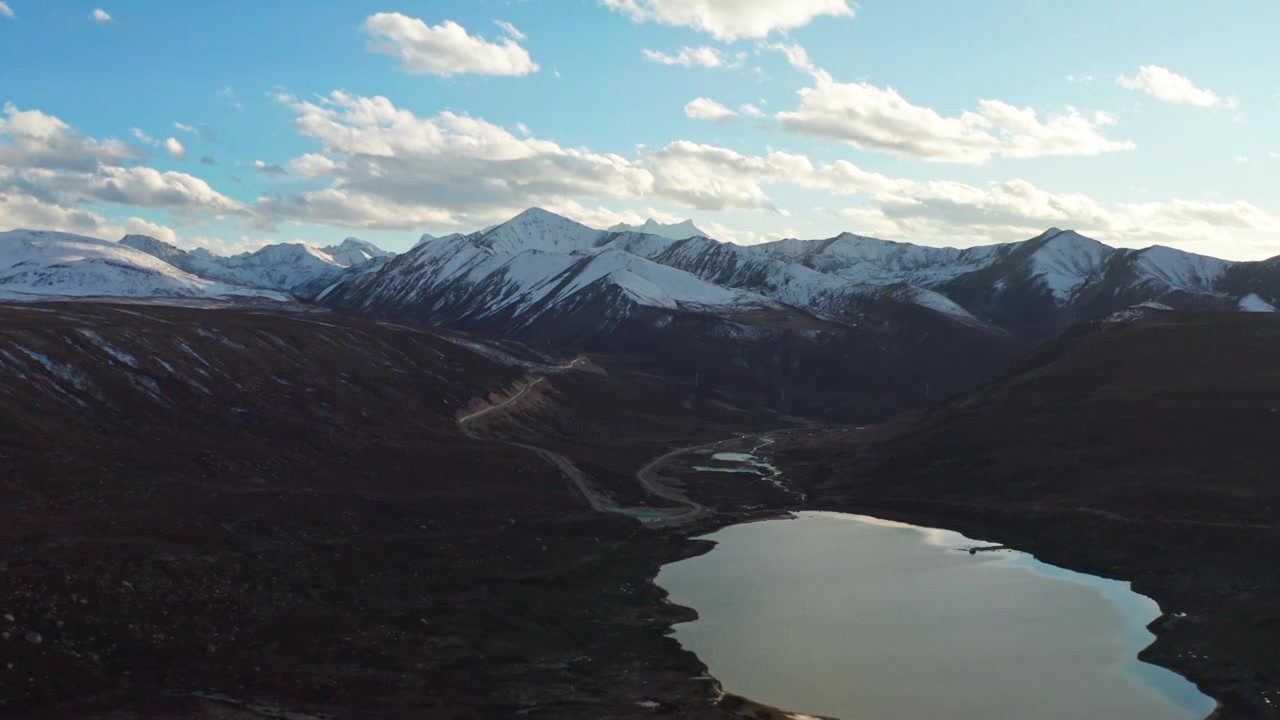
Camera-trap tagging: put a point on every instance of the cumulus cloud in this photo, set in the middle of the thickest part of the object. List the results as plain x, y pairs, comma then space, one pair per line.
144, 187
704, 109
5, 10
175, 149
33, 139
446, 49
1168, 86
389, 168
731, 20
880, 119
51, 176
185, 128
100, 16
22, 211
705, 57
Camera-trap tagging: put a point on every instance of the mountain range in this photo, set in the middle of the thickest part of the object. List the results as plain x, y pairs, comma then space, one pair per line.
783, 321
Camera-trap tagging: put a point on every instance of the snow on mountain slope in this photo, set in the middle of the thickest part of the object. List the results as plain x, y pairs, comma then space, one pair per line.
655, 285
460, 280
35, 263
1181, 270
1254, 304
289, 267
938, 302
353, 251
871, 261
1067, 260
674, 231
537, 229
739, 267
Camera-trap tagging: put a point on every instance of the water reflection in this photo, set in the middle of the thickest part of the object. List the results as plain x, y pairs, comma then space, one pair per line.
871, 620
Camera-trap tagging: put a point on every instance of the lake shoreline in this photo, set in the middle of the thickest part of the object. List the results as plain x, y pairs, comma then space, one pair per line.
744, 548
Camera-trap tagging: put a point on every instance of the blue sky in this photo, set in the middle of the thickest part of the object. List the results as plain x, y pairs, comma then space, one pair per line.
953, 123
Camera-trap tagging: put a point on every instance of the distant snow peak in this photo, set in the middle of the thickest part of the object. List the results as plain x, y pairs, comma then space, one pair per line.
353, 251
55, 264
674, 231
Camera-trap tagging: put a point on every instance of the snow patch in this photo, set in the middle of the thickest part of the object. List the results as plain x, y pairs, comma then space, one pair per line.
1252, 303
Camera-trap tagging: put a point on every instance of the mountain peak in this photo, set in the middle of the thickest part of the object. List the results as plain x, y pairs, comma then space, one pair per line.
538, 229
673, 231
152, 246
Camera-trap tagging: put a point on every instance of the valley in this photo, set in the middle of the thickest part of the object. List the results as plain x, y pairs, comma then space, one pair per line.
445, 480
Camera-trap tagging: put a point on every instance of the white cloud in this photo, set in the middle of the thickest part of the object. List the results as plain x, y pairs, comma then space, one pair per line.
706, 57
100, 16
880, 119
24, 211
704, 109
1080, 79
33, 139
1241, 159
1163, 84
1008, 210
51, 175
175, 149
5, 10
388, 168
142, 136
752, 111
731, 20
269, 169
313, 165
445, 49
144, 187
184, 128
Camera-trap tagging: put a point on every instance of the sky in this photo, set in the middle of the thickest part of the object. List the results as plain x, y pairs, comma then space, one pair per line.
233, 124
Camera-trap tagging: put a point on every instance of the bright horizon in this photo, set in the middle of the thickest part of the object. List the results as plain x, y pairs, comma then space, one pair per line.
233, 125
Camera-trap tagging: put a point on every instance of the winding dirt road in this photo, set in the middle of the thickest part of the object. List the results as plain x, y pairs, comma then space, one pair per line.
648, 475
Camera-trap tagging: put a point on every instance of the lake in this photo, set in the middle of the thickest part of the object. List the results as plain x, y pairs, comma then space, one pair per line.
862, 619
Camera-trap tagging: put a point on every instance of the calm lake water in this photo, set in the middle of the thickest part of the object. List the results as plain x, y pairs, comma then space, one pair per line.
862, 619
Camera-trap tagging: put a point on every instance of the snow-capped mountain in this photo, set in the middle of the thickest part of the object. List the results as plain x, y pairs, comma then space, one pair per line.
711, 313
673, 231
294, 268
459, 280
871, 261
1032, 289
354, 251
537, 229
37, 264
540, 265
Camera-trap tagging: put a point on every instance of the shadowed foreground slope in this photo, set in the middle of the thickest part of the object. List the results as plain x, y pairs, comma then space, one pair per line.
231, 513
1144, 451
